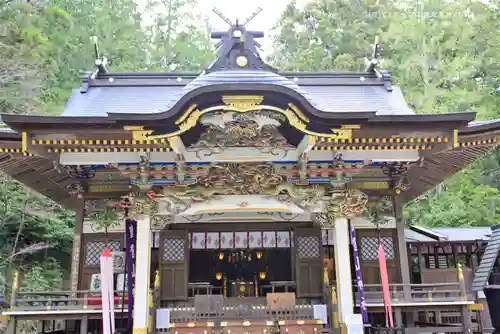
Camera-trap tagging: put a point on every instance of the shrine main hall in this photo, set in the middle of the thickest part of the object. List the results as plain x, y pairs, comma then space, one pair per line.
257, 200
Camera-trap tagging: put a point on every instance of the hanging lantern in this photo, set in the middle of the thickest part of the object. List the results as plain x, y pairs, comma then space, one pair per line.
218, 276
221, 256
262, 275
259, 255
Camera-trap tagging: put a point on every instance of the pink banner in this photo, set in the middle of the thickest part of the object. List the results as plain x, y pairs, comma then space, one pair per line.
108, 322
385, 285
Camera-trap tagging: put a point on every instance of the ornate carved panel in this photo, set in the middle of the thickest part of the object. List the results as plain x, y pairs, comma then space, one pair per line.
369, 248
174, 250
95, 248
232, 129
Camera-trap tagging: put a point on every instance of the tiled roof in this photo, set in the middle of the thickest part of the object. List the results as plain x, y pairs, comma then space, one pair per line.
447, 233
464, 233
331, 93
482, 274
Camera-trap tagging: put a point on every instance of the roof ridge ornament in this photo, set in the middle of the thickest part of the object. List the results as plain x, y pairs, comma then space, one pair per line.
371, 66
100, 60
237, 48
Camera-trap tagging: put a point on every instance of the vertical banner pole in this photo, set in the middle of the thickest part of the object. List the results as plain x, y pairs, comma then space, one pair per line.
359, 276
130, 244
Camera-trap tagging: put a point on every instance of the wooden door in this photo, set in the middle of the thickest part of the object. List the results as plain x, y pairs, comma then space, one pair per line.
174, 264
368, 253
308, 262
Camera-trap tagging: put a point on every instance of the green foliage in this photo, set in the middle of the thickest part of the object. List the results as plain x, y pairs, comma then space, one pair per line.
44, 276
471, 198
33, 230
179, 39
43, 47
443, 54
327, 35
105, 218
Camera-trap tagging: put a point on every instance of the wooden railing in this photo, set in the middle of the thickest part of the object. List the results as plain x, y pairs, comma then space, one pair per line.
201, 288
240, 308
400, 293
416, 293
63, 300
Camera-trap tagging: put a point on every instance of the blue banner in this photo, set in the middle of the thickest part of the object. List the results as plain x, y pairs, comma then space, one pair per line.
130, 246
359, 276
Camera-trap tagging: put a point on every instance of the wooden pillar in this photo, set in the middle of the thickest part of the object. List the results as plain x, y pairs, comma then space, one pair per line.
11, 325
466, 314
438, 318
470, 256
142, 273
343, 270
399, 317
421, 264
454, 253
403, 250
84, 325
77, 246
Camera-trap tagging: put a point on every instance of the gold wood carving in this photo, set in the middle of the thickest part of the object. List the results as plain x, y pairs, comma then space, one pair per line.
232, 129
238, 179
192, 115
138, 132
140, 331
348, 203
185, 114
370, 185
298, 112
142, 205
242, 102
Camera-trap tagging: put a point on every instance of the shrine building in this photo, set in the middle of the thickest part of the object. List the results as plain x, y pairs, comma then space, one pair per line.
256, 199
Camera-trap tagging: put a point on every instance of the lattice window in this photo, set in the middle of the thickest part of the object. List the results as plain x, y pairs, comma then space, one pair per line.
174, 250
431, 261
369, 248
443, 261
95, 249
308, 247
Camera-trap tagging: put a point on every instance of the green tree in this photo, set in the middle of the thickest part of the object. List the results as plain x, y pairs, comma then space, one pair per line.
443, 54
43, 47
179, 38
330, 35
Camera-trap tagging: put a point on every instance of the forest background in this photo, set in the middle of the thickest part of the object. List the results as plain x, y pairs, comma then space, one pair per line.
444, 54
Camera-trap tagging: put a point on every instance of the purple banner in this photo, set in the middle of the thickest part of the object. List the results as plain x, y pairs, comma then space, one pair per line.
359, 276
130, 245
